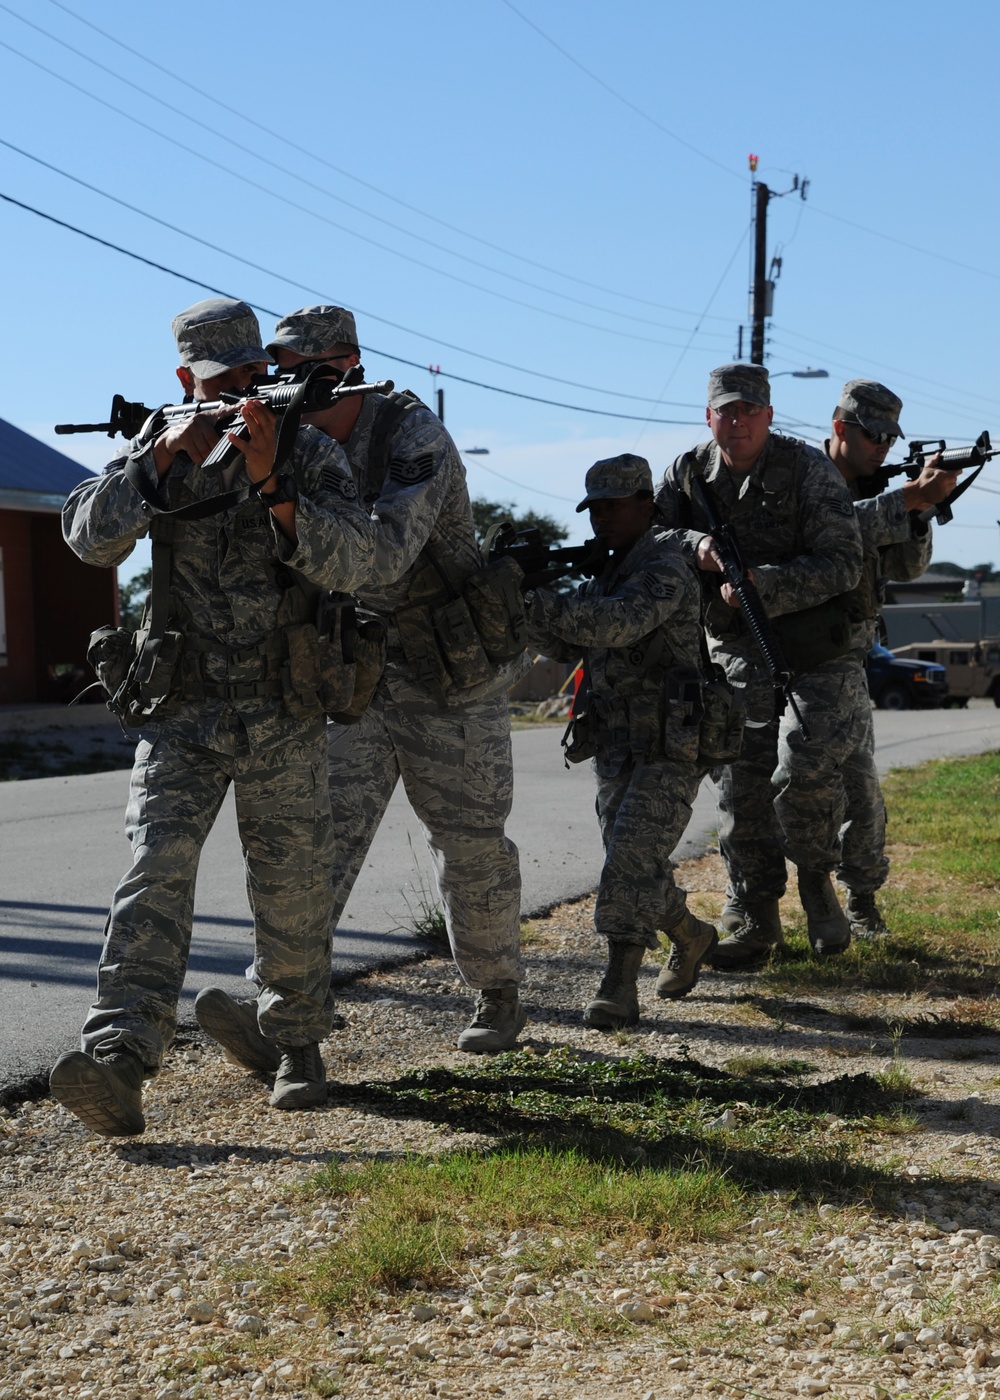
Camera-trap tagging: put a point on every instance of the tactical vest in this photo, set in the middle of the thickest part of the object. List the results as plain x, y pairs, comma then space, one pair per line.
809, 636
457, 626
318, 658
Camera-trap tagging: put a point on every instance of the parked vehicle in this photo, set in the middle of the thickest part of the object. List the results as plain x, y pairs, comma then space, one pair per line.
898, 684
972, 669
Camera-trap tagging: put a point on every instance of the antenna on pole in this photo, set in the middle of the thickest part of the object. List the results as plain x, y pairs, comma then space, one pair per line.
762, 289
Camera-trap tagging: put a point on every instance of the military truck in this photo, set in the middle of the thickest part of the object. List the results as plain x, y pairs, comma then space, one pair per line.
972, 669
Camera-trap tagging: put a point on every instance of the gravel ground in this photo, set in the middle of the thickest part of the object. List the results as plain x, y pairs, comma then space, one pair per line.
120, 1262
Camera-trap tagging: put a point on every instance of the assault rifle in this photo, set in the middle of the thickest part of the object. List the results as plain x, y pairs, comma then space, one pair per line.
751, 606
544, 563
319, 387
952, 459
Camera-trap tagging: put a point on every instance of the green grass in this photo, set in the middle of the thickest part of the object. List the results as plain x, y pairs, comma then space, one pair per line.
416, 1221
584, 1154
587, 1154
942, 902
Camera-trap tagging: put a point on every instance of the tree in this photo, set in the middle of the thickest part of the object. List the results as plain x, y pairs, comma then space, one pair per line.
132, 596
487, 513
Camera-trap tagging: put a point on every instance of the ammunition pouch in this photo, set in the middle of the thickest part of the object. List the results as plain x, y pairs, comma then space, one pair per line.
495, 601
720, 732
111, 652
579, 741
817, 634
367, 642
135, 671
336, 663
457, 634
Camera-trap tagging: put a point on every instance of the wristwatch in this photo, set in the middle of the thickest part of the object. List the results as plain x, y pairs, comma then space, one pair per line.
285, 490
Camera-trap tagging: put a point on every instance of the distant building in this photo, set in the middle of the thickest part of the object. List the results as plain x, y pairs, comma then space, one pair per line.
928, 588
50, 601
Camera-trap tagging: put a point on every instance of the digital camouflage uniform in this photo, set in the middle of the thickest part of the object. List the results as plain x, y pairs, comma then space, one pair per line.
794, 522
894, 548
451, 747
638, 625
227, 589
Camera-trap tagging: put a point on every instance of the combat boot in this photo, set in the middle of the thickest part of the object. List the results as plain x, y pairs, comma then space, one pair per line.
829, 930
734, 913
233, 1025
616, 1005
752, 942
864, 916
693, 941
498, 1021
301, 1078
103, 1091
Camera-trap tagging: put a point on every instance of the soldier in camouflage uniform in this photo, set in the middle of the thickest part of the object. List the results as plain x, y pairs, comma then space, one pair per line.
638, 625
448, 741
230, 717
794, 522
897, 545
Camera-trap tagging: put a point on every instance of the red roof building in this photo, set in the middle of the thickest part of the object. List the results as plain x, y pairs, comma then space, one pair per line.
50, 601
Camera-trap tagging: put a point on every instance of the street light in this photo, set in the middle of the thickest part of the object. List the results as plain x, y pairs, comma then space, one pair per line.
802, 373
475, 451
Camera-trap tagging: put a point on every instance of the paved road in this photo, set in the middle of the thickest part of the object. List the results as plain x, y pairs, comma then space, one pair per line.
62, 852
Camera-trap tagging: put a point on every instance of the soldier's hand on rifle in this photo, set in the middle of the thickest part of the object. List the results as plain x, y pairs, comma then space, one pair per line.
196, 435
728, 594
257, 440
931, 487
706, 557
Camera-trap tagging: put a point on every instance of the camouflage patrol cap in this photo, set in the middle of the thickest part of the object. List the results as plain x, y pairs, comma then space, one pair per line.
739, 384
615, 478
871, 404
315, 330
218, 334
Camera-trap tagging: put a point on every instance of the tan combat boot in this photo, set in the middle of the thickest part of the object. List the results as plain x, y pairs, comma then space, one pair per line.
828, 926
103, 1091
864, 915
734, 913
616, 1005
752, 942
233, 1025
301, 1078
499, 1020
693, 940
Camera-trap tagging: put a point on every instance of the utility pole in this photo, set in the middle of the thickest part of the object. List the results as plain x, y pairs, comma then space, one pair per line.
762, 291
434, 371
761, 302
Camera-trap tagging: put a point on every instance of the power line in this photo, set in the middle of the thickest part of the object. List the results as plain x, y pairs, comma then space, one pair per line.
522, 487
317, 157
325, 219
259, 157
902, 243
626, 101
853, 360
397, 359
313, 291
715, 293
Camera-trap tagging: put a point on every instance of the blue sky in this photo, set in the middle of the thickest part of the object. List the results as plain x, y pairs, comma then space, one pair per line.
549, 198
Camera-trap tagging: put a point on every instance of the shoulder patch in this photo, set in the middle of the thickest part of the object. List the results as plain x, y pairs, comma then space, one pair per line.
413, 470
340, 483
840, 506
659, 587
